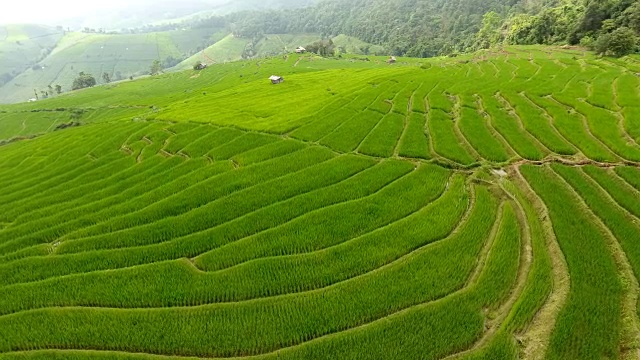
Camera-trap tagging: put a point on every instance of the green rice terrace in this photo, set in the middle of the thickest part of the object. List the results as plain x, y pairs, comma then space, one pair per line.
479, 207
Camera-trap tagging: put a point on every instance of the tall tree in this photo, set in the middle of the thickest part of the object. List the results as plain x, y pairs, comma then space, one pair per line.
156, 67
83, 81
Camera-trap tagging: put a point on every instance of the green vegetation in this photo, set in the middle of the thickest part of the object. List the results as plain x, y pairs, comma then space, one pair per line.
84, 81
23, 46
477, 207
119, 55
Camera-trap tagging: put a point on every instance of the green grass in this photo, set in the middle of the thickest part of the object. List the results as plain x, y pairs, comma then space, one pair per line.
590, 320
445, 141
475, 129
24, 45
355, 211
121, 56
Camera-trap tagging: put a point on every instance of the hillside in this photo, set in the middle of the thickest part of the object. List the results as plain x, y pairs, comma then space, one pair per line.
426, 28
478, 207
232, 48
230, 31
119, 55
23, 46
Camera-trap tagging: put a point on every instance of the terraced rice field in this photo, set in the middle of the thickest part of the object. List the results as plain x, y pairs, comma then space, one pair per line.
484, 207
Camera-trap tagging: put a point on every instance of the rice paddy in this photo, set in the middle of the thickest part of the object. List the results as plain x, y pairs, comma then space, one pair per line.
481, 207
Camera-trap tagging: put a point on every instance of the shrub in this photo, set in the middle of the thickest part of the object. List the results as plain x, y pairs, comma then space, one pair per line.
620, 42
83, 81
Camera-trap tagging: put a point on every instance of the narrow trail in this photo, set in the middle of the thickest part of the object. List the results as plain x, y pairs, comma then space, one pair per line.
494, 323
427, 107
619, 114
492, 128
508, 108
486, 249
536, 337
538, 69
396, 149
631, 323
456, 128
587, 127
630, 329
551, 121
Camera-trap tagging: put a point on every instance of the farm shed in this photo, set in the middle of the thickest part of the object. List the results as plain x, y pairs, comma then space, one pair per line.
276, 79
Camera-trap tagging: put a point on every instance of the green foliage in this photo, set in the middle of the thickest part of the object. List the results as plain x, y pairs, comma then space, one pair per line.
83, 81
156, 67
489, 35
313, 221
590, 320
620, 42
322, 48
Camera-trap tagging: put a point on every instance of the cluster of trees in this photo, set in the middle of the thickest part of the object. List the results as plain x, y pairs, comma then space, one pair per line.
51, 91
83, 81
322, 48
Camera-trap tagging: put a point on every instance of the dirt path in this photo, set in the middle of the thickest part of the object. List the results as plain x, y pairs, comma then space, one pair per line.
587, 127
396, 150
482, 111
494, 323
457, 116
508, 108
550, 120
536, 338
630, 334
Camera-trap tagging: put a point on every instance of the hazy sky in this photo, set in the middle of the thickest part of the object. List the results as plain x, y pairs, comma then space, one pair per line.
48, 11
54, 12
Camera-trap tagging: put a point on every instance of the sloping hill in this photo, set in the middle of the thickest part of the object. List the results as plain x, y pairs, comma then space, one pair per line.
227, 49
480, 207
119, 55
233, 48
22, 46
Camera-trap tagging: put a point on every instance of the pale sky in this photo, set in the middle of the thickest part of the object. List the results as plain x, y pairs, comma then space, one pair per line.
50, 11
98, 13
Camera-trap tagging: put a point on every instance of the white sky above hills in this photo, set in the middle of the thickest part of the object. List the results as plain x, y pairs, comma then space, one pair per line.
85, 12
48, 11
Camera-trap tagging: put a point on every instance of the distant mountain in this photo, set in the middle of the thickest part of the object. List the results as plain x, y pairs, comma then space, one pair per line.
23, 46
143, 12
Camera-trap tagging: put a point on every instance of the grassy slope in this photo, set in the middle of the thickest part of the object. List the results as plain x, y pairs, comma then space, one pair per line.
231, 49
273, 221
23, 45
118, 55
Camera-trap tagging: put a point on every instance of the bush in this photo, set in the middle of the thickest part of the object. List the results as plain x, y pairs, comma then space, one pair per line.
620, 42
83, 81
587, 42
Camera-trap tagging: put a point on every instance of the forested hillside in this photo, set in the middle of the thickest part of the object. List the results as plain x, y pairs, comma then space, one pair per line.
425, 28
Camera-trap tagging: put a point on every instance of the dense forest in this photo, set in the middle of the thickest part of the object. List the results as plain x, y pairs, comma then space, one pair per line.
425, 28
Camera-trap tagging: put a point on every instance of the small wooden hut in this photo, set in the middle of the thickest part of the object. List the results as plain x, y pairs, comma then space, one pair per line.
275, 79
